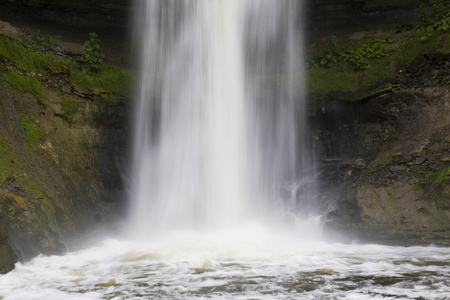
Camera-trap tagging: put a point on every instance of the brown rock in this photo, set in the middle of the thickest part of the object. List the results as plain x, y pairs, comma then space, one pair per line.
8, 30
369, 204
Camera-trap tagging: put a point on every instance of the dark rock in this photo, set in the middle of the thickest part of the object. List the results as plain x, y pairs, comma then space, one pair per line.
8, 257
398, 168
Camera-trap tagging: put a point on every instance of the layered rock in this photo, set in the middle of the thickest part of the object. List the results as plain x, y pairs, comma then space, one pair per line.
392, 159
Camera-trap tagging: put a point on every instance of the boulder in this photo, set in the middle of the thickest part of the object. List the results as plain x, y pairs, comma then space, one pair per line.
8, 30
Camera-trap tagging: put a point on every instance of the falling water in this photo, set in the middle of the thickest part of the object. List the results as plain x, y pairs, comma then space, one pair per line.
220, 139
220, 134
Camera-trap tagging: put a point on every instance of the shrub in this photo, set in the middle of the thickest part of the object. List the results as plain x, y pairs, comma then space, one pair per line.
92, 58
331, 54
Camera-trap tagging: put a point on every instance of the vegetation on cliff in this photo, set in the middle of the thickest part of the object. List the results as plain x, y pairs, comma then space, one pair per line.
62, 126
348, 68
38, 59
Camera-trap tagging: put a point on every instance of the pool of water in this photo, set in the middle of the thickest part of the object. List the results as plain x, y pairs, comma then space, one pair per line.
241, 264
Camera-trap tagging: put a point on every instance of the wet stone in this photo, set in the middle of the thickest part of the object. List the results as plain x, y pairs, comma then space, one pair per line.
397, 168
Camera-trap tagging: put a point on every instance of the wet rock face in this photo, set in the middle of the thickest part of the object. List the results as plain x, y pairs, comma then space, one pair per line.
7, 256
322, 14
391, 159
339, 14
93, 14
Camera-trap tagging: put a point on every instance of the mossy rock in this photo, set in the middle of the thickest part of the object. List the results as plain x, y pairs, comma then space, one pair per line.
370, 92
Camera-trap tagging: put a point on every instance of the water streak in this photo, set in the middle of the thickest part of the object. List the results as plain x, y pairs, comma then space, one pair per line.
220, 121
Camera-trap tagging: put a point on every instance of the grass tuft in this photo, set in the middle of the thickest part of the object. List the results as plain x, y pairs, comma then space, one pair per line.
29, 60
109, 78
17, 82
69, 106
35, 135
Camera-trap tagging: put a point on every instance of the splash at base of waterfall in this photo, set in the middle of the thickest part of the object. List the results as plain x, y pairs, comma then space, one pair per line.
250, 263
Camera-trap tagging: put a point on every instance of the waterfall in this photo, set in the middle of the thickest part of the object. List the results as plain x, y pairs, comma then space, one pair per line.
220, 134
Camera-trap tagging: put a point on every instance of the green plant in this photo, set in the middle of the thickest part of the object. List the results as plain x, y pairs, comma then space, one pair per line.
403, 27
38, 42
111, 79
358, 55
29, 60
434, 18
331, 54
373, 49
17, 82
92, 58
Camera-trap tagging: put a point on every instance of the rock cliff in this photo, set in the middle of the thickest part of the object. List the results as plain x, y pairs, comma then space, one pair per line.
385, 169
387, 159
62, 148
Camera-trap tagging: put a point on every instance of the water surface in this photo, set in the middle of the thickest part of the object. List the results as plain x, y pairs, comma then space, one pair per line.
250, 263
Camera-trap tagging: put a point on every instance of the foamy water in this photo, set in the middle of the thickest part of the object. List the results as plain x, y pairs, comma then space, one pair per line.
250, 263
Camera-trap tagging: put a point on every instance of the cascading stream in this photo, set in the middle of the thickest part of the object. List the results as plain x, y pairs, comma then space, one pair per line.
220, 129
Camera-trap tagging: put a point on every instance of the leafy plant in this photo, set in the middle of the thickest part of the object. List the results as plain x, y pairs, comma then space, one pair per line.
373, 49
358, 55
403, 27
38, 42
434, 18
331, 54
92, 58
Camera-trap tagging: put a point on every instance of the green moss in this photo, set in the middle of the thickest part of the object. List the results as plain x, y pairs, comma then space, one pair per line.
69, 106
339, 79
109, 78
384, 158
33, 188
322, 81
29, 60
379, 72
17, 82
35, 135
446, 46
407, 52
442, 176
369, 92
9, 160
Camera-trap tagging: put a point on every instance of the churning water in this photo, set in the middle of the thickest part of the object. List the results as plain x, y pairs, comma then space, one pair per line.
221, 147
250, 264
